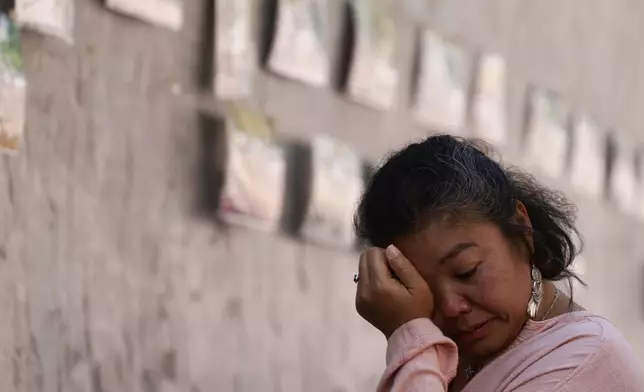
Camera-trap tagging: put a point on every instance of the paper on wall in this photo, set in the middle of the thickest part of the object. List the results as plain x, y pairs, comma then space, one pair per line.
235, 49
52, 17
489, 114
444, 80
639, 205
12, 87
301, 47
374, 76
588, 165
580, 268
337, 181
548, 138
623, 185
253, 190
166, 13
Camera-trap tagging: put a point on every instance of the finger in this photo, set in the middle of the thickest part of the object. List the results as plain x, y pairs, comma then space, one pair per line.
363, 271
377, 265
362, 289
403, 268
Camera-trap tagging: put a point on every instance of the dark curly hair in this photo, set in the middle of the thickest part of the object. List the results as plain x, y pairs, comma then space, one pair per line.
446, 174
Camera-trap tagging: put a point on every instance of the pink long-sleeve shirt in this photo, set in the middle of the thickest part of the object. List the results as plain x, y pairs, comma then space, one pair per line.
575, 352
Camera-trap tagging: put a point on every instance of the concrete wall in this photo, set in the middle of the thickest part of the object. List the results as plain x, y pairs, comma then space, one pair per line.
112, 280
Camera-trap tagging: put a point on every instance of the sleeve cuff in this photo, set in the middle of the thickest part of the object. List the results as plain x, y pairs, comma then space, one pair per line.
415, 333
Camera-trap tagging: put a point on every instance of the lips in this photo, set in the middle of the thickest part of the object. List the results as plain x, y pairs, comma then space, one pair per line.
475, 332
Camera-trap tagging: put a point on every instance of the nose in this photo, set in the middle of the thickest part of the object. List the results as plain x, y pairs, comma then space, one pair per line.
452, 303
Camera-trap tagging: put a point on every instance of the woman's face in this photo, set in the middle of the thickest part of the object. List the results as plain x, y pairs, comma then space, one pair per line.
480, 281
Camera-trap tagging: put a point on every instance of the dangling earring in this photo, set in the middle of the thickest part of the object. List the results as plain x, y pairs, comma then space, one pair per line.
537, 292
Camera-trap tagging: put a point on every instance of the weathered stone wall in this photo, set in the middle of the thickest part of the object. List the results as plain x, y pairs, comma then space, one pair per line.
111, 279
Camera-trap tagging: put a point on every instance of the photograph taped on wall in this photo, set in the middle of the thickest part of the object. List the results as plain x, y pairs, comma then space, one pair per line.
639, 204
489, 112
587, 170
623, 185
51, 17
301, 47
580, 268
254, 181
12, 87
336, 184
165, 13
548, 137
444, 80
235, 49
374, 75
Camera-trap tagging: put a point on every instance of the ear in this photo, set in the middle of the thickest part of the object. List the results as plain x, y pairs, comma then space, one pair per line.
522, 218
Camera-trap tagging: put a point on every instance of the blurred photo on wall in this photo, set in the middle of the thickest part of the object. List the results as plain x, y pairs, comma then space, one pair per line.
489, 107
622, 186
12, 87
443, 84
374, 76
51, 17
235, 49
166, 13
639, 203
301, 46
588, 155
336, 184
547, 141
254, 179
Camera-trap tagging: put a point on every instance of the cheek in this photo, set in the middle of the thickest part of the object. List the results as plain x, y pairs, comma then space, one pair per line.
503, 291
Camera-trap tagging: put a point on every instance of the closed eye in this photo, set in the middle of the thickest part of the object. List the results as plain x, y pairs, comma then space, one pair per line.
468, 274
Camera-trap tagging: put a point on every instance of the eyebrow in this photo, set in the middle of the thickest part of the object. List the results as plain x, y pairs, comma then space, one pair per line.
456, 249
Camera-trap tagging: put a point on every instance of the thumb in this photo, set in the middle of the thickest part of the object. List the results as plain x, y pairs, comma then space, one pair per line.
403, 268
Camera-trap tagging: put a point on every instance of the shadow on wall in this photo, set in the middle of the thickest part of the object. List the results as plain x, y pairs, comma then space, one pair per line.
6, 5
205, 72
298, 186
212, 164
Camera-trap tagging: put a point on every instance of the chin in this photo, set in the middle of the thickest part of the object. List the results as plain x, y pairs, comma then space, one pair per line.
484, 342
483, 348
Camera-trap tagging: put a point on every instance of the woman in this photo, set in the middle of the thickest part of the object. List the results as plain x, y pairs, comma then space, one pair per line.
460, 275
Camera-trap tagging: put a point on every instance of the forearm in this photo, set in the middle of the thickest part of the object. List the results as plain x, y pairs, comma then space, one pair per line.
419, 358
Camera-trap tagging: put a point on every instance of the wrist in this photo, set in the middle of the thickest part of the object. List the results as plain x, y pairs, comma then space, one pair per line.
412, 335
411, 325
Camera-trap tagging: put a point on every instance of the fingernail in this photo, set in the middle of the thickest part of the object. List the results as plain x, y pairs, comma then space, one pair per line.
392, 252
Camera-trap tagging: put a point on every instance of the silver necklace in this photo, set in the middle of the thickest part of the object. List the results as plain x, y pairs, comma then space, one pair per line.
471, 370
552, 305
